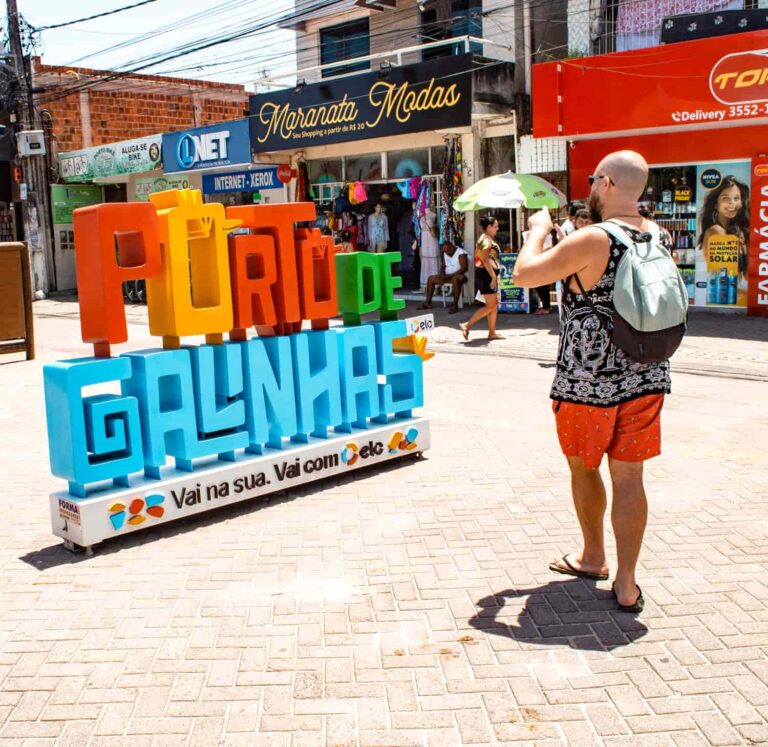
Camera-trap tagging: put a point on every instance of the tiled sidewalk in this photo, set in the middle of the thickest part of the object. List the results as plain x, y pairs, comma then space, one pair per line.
406, 606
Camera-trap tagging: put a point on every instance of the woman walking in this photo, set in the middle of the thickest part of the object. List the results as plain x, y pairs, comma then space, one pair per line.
486, 278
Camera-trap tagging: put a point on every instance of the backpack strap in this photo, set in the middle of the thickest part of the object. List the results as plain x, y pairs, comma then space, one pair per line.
613, 228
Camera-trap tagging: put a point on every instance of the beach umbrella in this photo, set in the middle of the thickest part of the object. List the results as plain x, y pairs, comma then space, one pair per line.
510, 191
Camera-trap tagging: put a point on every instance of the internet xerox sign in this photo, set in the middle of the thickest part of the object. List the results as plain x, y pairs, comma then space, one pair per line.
224, 144
242, 181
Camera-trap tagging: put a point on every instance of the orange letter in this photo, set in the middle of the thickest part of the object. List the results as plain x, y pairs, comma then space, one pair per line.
114, 243
316, 255
253, 267
278, 221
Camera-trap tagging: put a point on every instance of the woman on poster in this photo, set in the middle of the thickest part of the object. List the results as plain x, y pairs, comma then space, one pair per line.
726, 213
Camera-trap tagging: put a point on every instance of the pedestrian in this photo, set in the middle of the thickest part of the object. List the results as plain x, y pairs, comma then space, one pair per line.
486, 278
430, 247
581, 220
347, 247
604, 401
569, 224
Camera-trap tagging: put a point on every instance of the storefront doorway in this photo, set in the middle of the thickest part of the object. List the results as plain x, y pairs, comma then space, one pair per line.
397, 205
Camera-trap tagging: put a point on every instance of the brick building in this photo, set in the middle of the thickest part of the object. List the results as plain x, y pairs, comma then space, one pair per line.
84, 109
107, 109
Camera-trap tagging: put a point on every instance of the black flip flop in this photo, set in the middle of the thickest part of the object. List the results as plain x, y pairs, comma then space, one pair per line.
570, 570
638, 606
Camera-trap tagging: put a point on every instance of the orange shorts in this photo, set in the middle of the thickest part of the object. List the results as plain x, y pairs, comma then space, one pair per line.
630, 432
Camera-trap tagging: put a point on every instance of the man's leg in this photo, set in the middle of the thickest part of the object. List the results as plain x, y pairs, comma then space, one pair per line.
590, 502
457, 281
432, 281
629, 513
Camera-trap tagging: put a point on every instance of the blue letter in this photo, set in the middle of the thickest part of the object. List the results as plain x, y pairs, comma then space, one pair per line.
91, 438
359, 380
270, 399
217, 371
316, 371
162, 383
404, 389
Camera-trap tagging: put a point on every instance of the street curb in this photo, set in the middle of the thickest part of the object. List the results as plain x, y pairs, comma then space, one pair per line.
692, 369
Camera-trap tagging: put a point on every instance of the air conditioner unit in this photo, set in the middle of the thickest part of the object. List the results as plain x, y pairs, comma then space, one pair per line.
30, 143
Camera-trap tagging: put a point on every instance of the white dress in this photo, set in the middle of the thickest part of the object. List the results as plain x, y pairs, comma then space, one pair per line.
430, 247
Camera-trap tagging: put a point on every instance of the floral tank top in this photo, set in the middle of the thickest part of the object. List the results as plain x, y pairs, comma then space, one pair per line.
591, 370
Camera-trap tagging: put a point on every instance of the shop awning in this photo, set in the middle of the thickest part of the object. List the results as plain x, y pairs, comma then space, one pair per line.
694, 85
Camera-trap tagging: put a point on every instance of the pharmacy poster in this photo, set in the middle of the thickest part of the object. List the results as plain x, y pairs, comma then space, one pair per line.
722, 249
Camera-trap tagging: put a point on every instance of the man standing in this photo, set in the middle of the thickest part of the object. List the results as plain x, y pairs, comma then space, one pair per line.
453, 270
604, 402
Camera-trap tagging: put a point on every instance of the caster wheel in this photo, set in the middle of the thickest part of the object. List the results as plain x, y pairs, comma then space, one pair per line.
141, 291
75, 548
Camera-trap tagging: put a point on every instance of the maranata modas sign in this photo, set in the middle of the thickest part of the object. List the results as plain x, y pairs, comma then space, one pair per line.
412, 98
237, 418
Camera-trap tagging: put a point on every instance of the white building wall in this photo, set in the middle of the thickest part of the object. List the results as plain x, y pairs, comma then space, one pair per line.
499, 27
579, 27
397, 29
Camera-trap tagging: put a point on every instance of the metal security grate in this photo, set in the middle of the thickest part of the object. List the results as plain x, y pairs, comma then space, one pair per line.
541, 155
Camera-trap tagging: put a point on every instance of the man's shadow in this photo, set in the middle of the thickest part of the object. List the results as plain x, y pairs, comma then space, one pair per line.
572, 613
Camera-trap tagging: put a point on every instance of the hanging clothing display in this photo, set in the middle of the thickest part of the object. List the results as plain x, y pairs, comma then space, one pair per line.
304, 191
452, 221
430, 246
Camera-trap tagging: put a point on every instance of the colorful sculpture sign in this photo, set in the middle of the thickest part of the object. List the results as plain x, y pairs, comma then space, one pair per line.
238, 417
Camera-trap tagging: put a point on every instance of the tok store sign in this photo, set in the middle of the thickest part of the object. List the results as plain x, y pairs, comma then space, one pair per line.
224, 144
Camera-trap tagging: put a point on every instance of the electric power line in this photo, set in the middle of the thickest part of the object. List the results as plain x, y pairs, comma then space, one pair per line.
98, 15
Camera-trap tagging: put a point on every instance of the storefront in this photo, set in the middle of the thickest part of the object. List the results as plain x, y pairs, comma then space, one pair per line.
218, 158
407, 138
126, 171
698, 112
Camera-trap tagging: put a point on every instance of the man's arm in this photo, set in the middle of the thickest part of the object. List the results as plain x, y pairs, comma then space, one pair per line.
535, 267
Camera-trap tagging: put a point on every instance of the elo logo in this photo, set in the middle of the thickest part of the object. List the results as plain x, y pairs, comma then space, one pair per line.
351, 453
209, 146
419, 324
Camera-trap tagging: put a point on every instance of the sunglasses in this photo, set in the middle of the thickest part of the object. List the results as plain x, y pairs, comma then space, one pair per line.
593, 179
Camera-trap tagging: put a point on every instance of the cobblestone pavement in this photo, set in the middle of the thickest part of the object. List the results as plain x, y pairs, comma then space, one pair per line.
409, 605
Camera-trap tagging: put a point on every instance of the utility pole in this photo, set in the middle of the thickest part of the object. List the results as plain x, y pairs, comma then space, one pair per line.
35, 206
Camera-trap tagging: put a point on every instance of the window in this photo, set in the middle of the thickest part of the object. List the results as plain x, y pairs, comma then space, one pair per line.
345, 42
363, 168
448, 20
325, 171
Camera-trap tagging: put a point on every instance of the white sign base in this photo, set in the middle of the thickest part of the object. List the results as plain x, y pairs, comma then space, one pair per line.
114, 512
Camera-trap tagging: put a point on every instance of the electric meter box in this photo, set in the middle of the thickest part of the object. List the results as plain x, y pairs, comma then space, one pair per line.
30, 143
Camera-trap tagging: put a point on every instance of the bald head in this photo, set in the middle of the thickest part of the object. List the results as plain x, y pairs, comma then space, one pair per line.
628, 171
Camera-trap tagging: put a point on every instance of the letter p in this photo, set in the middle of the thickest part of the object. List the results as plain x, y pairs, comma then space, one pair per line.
114, 243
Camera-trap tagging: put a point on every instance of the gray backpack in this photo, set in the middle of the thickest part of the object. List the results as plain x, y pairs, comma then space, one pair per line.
649, 296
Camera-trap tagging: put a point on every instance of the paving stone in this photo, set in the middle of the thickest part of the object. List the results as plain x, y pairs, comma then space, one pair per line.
409, 605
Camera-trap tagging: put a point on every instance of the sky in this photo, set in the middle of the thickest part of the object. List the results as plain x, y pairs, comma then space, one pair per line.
240, 61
